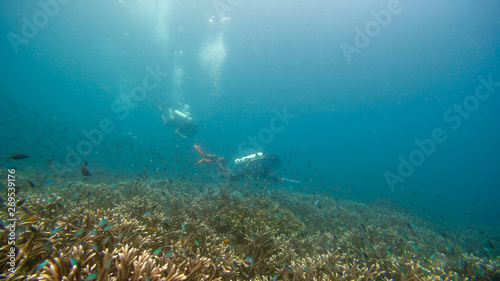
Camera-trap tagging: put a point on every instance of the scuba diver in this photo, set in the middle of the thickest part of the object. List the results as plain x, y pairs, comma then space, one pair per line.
181, 120
255, 165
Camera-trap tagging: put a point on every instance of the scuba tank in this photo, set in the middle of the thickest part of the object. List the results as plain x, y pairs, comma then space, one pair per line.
180, 114
247, 158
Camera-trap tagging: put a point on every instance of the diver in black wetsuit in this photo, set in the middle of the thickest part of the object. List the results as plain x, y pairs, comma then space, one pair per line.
257, 166
182, 122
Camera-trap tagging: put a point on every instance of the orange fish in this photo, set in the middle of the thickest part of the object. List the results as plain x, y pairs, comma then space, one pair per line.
226, 241
19, 156
197, 147
240, 216
84, 170
30, 219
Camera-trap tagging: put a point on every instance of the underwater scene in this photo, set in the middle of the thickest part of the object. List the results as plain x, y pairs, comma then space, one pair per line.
249, 140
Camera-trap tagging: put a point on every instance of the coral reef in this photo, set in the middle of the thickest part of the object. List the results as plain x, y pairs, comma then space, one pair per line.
163, 230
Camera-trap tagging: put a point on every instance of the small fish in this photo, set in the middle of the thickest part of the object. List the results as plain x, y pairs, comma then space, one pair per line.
84, 170
31, 184
92, 277
103, 222
278, 216
164, 195
108, 264
108, 227
197, 243
147, 213
55, 230
249, 260
31, 219
157, 251
226, 241
73, 262
444, 234
19, 156
80, 232
184, 227
41, 265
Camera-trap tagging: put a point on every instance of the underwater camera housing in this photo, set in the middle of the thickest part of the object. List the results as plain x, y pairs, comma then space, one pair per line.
247, 158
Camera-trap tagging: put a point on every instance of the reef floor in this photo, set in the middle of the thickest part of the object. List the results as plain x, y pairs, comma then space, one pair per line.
156, 229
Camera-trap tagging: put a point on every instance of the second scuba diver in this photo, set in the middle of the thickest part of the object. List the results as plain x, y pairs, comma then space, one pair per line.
257, 165
181, 120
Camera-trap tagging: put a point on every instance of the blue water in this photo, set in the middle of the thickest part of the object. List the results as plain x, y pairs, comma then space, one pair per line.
353, 116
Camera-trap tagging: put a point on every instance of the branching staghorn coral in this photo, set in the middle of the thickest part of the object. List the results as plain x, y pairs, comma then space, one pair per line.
160, 230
